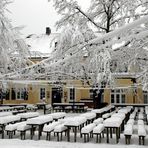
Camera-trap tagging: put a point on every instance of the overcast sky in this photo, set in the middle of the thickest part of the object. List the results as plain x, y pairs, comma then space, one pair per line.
35, 15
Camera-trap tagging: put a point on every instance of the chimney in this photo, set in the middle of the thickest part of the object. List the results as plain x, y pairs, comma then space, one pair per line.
48, 30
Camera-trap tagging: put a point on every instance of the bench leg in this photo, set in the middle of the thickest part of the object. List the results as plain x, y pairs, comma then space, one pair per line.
61, 136
111, 133
58, 137
100, 138
117, 135
127, 139
23, 135
107, 135
3, 128
75, 134
103, 134
87, 137
143, 139
97, 138
48, 136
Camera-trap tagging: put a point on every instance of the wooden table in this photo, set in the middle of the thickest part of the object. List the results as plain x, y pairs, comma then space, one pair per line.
38, 121
116, 124
7, 120
74, 123
73, 106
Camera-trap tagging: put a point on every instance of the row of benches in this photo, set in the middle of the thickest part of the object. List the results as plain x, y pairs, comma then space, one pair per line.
128, 132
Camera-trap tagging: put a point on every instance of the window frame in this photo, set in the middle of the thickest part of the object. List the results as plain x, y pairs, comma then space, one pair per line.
118, 96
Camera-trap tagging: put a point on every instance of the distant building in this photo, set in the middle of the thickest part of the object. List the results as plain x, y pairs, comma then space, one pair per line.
126, 90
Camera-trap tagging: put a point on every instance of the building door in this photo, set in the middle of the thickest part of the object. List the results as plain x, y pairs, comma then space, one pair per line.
57, 95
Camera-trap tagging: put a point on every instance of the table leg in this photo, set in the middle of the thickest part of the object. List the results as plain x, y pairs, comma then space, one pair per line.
3, 128
75, 134
40, 131
107, 135
117, 135
110, 132
68, 134
31, 132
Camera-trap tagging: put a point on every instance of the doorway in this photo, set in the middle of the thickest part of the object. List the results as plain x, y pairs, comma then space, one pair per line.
57, 95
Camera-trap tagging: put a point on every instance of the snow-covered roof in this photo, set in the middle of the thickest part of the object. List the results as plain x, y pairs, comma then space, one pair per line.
125, 75
41, 45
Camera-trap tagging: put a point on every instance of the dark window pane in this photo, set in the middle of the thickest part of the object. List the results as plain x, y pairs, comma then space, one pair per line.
117, 98
122, 98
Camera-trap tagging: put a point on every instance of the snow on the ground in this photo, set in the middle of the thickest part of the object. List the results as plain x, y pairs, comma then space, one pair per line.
16, 143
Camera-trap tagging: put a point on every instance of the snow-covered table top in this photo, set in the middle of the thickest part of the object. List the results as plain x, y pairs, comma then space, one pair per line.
58, 115
119, 115
112, 122
98, 111
75, 121
40, 120
2, 108
2, 114
89, 115
28, 115
8, 119
101, 110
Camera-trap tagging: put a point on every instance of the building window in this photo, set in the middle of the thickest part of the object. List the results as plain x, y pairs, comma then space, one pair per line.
145, 97
42, 93
72, 94
118, 96
22, 94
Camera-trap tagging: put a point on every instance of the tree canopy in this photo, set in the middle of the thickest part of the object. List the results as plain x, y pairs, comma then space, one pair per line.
13, 50
111, 37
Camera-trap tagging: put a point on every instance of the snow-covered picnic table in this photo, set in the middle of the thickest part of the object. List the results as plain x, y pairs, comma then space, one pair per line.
6, 120
74, 122
90, 116
2, 114
113, 123
69, 106
25, 116
101, 111
39, 121
6, 108
58, 115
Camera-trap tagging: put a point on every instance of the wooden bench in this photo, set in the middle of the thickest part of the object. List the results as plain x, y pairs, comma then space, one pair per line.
22, 129
97, 131
59, 129
87, 131
11, 128
141, 132
98, 121
128, 131
49, 128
